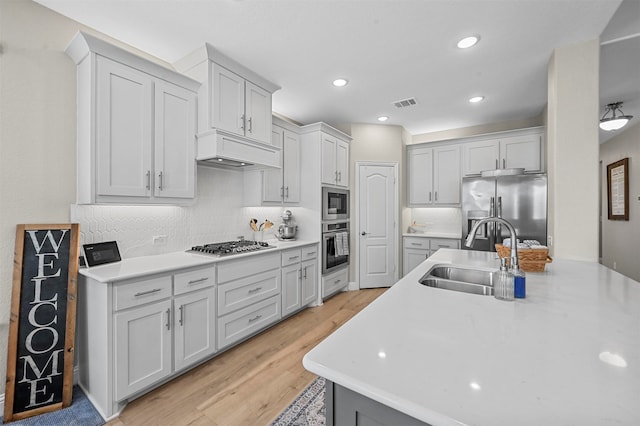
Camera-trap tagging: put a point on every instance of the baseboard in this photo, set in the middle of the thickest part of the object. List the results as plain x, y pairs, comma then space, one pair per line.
353, 286
76, 375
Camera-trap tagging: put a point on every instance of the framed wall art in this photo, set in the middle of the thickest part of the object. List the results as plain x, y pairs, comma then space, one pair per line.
618, 190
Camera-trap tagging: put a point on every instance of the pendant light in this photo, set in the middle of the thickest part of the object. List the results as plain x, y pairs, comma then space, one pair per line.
614, 122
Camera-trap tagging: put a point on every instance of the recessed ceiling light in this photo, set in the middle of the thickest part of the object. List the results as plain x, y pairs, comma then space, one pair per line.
340, 82
467, 42
476, 99
383, 118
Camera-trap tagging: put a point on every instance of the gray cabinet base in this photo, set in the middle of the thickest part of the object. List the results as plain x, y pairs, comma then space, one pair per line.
345, 407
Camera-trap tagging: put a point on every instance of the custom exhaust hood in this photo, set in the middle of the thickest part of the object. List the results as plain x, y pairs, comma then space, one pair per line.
218, 148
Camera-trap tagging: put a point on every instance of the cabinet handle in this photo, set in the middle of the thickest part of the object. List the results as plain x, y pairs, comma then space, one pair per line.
436, 195
300, 274
242, 122
339, 176
169, 319
311, 253
148, 179
337, 281
160, 181
199, 280
144, 293
180, 314
429, 195
305, 273
254, 290
416, 244
496, 163
504, 163
256, 318
287, 196
293, 257
250, 125
282, 192
336, 172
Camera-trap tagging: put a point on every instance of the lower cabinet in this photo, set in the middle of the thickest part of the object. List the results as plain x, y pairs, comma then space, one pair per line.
334, 282
417, 249
299, 278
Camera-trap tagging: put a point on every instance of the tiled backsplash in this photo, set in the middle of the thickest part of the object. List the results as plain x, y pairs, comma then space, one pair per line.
217, 215
441, 220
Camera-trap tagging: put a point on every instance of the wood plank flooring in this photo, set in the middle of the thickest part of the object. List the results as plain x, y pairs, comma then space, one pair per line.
253, 382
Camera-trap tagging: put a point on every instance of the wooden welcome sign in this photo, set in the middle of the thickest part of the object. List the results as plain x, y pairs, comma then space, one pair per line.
43, 320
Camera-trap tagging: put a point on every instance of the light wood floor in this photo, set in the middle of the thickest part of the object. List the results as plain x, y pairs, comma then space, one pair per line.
253, 382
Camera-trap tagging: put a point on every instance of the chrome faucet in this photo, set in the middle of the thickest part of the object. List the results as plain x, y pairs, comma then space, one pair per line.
514, 240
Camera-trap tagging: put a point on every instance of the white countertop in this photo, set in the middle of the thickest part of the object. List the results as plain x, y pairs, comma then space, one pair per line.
136, 267
453, 358
433, 234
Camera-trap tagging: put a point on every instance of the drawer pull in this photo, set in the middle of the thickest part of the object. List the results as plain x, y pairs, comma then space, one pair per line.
416, 244
311, 253
443, 246
256, 318
199, 280
169, 319
144, 293
255, 290
337, 281
293, 257
181, 315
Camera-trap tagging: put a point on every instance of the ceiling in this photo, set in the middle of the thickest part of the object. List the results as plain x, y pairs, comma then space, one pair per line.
387, 50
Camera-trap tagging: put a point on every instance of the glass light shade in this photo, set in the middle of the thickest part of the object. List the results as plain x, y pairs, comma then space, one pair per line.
614, 123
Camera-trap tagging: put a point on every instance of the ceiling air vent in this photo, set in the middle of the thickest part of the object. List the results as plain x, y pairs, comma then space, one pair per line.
403, 103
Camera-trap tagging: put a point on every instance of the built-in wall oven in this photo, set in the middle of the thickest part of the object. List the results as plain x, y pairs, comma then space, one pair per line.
335, 203
335, 246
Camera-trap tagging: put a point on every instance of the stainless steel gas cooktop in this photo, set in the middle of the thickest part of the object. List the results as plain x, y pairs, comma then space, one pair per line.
228, 248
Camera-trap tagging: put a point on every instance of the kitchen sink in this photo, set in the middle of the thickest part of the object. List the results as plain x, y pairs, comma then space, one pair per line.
458, 278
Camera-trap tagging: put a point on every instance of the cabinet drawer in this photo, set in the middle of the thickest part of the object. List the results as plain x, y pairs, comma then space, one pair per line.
136, 293
334, 282
240, 268
416, 243
437, 244
238, 325
193, 280
309, 252
289, 257
246, 291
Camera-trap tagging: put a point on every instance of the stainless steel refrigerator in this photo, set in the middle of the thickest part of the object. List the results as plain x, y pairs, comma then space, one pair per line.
520, 199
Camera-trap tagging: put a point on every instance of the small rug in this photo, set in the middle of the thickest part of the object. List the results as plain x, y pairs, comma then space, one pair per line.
80, 413
308, 409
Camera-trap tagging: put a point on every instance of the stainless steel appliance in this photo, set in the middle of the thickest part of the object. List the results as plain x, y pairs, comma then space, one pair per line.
520, 199
335, 203
229, 248
287, 229
334, 255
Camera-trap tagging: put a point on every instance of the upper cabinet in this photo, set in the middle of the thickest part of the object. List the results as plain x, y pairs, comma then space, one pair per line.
433, 175
234, 110
520, 149
335, 161
136, 127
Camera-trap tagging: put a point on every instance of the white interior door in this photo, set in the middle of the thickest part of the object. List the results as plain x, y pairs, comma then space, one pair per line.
377, 218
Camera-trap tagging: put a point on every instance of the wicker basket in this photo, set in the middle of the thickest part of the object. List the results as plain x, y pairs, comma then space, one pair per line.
529, 260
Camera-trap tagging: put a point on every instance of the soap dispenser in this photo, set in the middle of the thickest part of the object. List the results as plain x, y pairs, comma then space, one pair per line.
503, 283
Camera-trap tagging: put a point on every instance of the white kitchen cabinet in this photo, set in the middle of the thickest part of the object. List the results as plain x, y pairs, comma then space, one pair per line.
299, 278
134, 334
283, 185
291, 289
417, 249
433, 175
519, 149
238, 105
334, 282
335, 161
309, 267
136, 128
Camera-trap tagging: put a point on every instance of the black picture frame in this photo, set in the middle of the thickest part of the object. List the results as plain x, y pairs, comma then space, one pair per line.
618, 190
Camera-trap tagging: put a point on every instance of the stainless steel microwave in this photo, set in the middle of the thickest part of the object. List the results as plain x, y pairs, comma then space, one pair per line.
335, 203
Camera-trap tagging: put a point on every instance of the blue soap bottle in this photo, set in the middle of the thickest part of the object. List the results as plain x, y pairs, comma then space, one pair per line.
519, 284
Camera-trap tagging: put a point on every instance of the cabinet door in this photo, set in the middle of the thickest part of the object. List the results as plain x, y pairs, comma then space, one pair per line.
309, 281
328, 153
412, 258
257, 113
522, 151
175, 125
291, 167
291, 289
272, 190
227, 100
194, 319
142, 347
480, 156
124, 130
420, 176
342, 163
446, 175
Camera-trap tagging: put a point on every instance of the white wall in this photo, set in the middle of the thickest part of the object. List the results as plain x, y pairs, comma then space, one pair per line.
621, 239
572, 151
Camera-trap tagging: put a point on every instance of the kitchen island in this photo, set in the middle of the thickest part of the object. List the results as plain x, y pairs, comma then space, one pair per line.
568, 354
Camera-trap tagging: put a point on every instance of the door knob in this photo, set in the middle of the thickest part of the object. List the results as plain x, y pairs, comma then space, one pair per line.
363, 233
